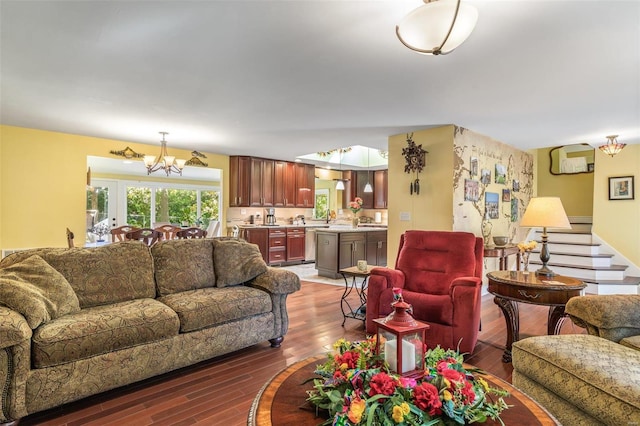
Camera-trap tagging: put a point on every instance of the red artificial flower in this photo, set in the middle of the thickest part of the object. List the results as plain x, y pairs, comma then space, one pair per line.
468, 393
452, 375
427, 399
382, 383
350, 358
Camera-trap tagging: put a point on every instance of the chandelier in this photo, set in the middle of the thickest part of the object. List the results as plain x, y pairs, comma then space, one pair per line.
612, 147
437, 27
164, 161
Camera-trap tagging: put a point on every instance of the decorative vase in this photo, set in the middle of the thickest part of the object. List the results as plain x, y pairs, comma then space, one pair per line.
486, 231
355, 221
525, 261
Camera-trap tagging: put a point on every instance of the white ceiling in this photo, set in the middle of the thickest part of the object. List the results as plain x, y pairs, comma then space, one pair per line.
280, 79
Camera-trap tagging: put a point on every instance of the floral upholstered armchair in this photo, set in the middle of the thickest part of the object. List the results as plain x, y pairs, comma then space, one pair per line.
440, 274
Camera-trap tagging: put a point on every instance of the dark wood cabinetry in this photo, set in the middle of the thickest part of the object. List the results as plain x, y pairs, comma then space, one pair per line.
277, 245
380, 189
339, 250
305, 185
377, 248
362, 178
295, 244
239, 181
259, 237
284, 184
260, 182
354, 187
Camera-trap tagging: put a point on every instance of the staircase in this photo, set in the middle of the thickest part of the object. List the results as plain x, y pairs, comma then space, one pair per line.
576, 253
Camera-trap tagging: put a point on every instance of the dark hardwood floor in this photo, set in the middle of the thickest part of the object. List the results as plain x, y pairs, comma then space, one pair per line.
220, 391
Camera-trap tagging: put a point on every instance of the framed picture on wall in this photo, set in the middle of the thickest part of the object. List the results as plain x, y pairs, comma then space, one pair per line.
621, 188
473, 168
485, 177
514, 210
506, 195
471, 190
501, 173
491, 205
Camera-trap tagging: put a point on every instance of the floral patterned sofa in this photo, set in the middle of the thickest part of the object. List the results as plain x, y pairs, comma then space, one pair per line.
76, 322
591, 379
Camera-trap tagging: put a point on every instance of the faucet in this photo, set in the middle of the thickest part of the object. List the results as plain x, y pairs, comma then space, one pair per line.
328, 215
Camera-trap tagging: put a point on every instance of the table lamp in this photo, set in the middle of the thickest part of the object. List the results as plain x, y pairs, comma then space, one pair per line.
545, 212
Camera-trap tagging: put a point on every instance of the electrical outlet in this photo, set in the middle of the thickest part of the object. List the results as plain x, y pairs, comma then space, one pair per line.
243, 211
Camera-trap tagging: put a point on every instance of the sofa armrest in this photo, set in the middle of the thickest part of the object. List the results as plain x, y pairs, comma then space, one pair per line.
380, 279
612, 317
277, 281
13, 328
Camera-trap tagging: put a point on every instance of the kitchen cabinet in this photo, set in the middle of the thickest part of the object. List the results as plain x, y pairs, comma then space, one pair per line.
377, 248
295, 244
305, 185
338, 250
284, 184
277, 245
261, 182
380, 189
362, 177
259, 237
239, 181
262, 175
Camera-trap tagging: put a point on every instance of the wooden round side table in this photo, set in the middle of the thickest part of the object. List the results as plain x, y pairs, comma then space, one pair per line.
511, 287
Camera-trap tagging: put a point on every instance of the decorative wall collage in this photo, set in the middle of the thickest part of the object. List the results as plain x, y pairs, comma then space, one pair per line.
493, 183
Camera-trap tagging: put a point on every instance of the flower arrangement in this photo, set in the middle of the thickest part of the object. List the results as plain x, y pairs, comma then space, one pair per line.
527, 246
101, 229
356, 205
358, 388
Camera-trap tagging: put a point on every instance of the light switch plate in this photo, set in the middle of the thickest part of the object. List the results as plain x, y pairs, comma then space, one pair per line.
405, 216
243, 211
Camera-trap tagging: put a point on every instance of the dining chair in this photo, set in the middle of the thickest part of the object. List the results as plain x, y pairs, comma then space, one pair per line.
70, 237
192, 233
119, 233
146, 235
213, 229
168, 231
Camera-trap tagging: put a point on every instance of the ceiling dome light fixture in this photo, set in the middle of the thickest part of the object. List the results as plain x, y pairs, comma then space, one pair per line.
164, 161
437, 27
612, 147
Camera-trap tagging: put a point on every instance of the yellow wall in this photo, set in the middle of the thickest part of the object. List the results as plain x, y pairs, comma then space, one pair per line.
575, 191
433, 208
43, 180
617, 222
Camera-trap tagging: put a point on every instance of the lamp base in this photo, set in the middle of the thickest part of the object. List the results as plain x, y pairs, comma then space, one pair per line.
545, 272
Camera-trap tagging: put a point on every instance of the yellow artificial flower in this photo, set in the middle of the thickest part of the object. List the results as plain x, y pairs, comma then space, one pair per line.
398, 415
405, 408
339, 343
446, 395
484, 384
356, 409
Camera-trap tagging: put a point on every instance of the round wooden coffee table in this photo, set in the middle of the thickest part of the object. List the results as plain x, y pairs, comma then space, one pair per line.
283, 400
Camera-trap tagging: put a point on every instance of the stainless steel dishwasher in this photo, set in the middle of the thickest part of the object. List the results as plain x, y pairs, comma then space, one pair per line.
310, 245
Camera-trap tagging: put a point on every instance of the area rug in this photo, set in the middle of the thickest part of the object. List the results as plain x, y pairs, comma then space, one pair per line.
308, 272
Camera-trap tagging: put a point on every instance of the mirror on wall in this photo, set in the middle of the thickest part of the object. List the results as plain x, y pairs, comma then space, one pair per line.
572, 159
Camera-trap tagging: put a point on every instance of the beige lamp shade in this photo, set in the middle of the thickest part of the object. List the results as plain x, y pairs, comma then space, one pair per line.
545, 212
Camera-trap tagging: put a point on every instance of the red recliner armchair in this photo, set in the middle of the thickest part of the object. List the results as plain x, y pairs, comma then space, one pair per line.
440, 274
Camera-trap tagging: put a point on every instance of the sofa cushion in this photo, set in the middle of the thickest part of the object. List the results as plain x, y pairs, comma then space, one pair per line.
101, 275
182, 265
597, 376
236, 262
102, 329
632, 342
207, 307
37, 291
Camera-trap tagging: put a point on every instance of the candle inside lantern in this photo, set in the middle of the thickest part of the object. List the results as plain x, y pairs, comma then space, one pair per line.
408, 355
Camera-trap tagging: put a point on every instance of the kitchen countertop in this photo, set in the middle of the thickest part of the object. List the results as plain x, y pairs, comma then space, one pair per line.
346, 228
323, 227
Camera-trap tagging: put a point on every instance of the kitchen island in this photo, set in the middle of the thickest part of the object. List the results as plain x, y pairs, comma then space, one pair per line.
340, 247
